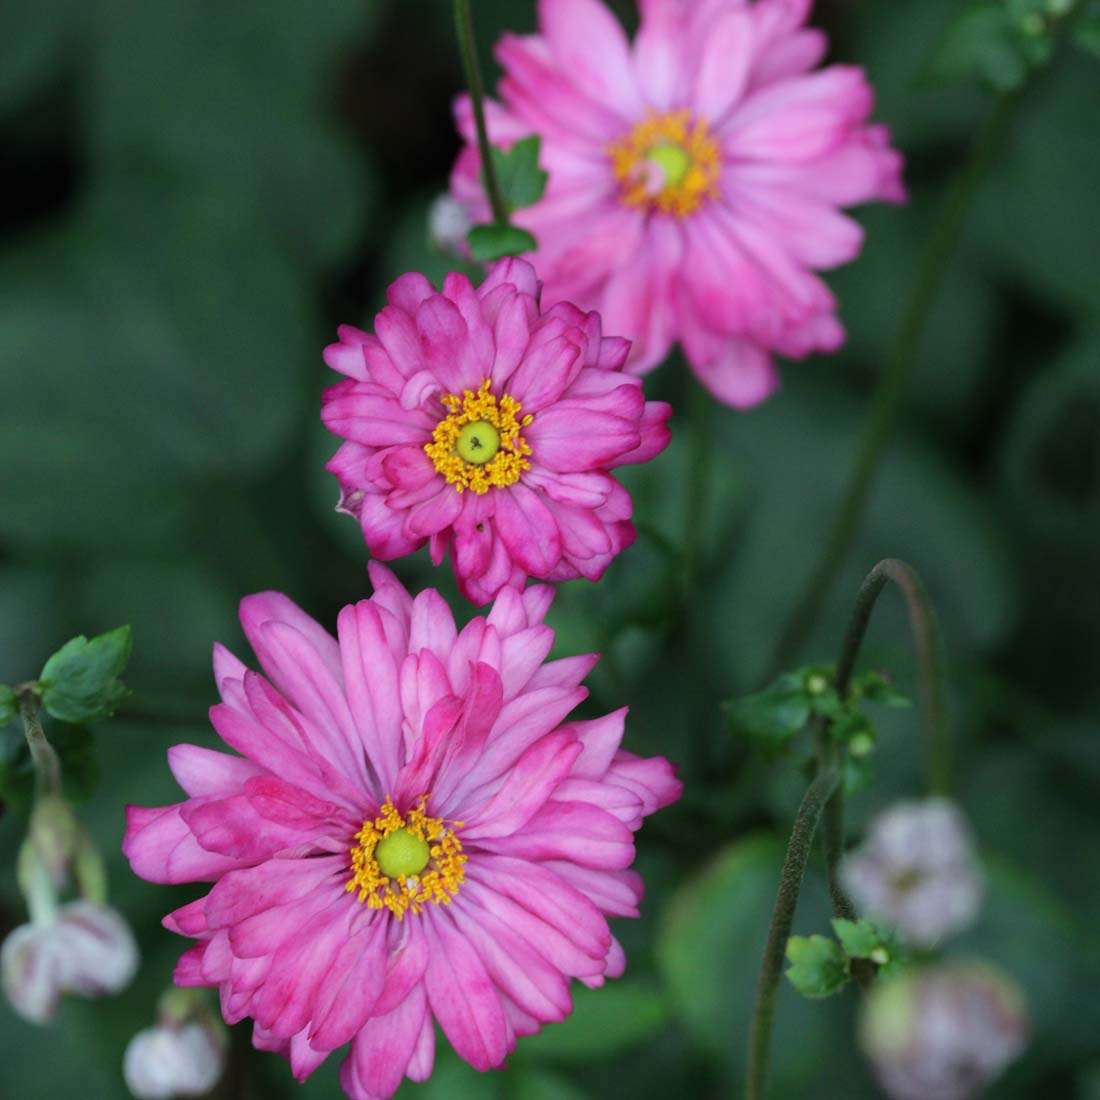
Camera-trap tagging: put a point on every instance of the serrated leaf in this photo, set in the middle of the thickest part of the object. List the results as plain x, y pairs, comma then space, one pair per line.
519, 177
818, 966
494, 242
859, 938
877, 687
9, 708
773, 716
79, 683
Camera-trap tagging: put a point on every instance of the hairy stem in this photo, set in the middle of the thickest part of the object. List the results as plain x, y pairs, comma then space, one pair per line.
47, 767
934, 265
922, 624
771, 965
464, 24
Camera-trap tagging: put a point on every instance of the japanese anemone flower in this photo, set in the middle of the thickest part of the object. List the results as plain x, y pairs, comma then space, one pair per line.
413, 833
479, 423
695, 177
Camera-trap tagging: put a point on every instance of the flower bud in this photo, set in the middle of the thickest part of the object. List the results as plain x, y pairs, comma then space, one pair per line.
448, 224
917, 870
87, 949
944, 1033
31, 965
101, 955
167, 1061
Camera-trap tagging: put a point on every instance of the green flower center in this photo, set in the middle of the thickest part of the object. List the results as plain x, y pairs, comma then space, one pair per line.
673, 160
401, 854
478, 442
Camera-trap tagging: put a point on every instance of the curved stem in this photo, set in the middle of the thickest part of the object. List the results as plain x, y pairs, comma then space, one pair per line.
464, 24
933, 267
47, 766
771, 965
922, 623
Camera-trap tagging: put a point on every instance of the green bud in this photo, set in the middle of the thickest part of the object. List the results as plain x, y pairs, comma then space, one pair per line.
819, 967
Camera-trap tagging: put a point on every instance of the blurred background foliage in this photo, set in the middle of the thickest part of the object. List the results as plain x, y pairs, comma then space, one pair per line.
197, 193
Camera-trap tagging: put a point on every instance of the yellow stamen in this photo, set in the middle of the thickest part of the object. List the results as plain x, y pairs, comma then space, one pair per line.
477, 446
667, 163
439, 877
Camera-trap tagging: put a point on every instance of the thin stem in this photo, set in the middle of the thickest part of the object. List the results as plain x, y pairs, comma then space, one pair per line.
907, 345
771, 965
47, 767
922, 623
464, 24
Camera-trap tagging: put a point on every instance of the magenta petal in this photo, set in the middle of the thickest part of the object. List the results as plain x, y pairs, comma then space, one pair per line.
528, 530
462, 995
382, 1050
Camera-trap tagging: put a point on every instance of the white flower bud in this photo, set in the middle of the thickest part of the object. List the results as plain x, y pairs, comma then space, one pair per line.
448, 224
164, 1062
32, 962
86, 949
101, 955
944, 1033
917, 870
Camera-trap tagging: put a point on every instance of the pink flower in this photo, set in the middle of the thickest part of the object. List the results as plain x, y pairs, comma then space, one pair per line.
695, 177
479, 424
413, 833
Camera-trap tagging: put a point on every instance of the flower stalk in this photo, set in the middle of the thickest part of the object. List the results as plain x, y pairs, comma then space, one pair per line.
464, 25
771, 965
47, 766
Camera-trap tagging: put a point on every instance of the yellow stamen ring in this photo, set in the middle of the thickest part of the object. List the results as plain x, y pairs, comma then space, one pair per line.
478, 445
667, 163
399, 863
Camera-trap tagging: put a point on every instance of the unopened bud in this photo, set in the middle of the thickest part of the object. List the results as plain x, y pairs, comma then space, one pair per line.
86, 949
448, 224
166, 1061
53, 835
31, 964
917, 870
946, 1032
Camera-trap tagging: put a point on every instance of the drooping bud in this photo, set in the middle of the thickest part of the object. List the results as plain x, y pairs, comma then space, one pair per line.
174, 1060
944, 1033
917, 870
101, 954
448, 224
31, 965
87, 949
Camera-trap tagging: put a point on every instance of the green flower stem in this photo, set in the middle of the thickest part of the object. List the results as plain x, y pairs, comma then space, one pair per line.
922, 623
47, 767
771, 965
464, 24
931, 271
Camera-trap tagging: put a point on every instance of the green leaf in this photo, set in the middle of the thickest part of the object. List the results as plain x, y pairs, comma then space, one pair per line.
819, 967
772, 717
8, 706
858, 772
877, 687
79, 683
604, 1023
519, 177
493, 242
859, 938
